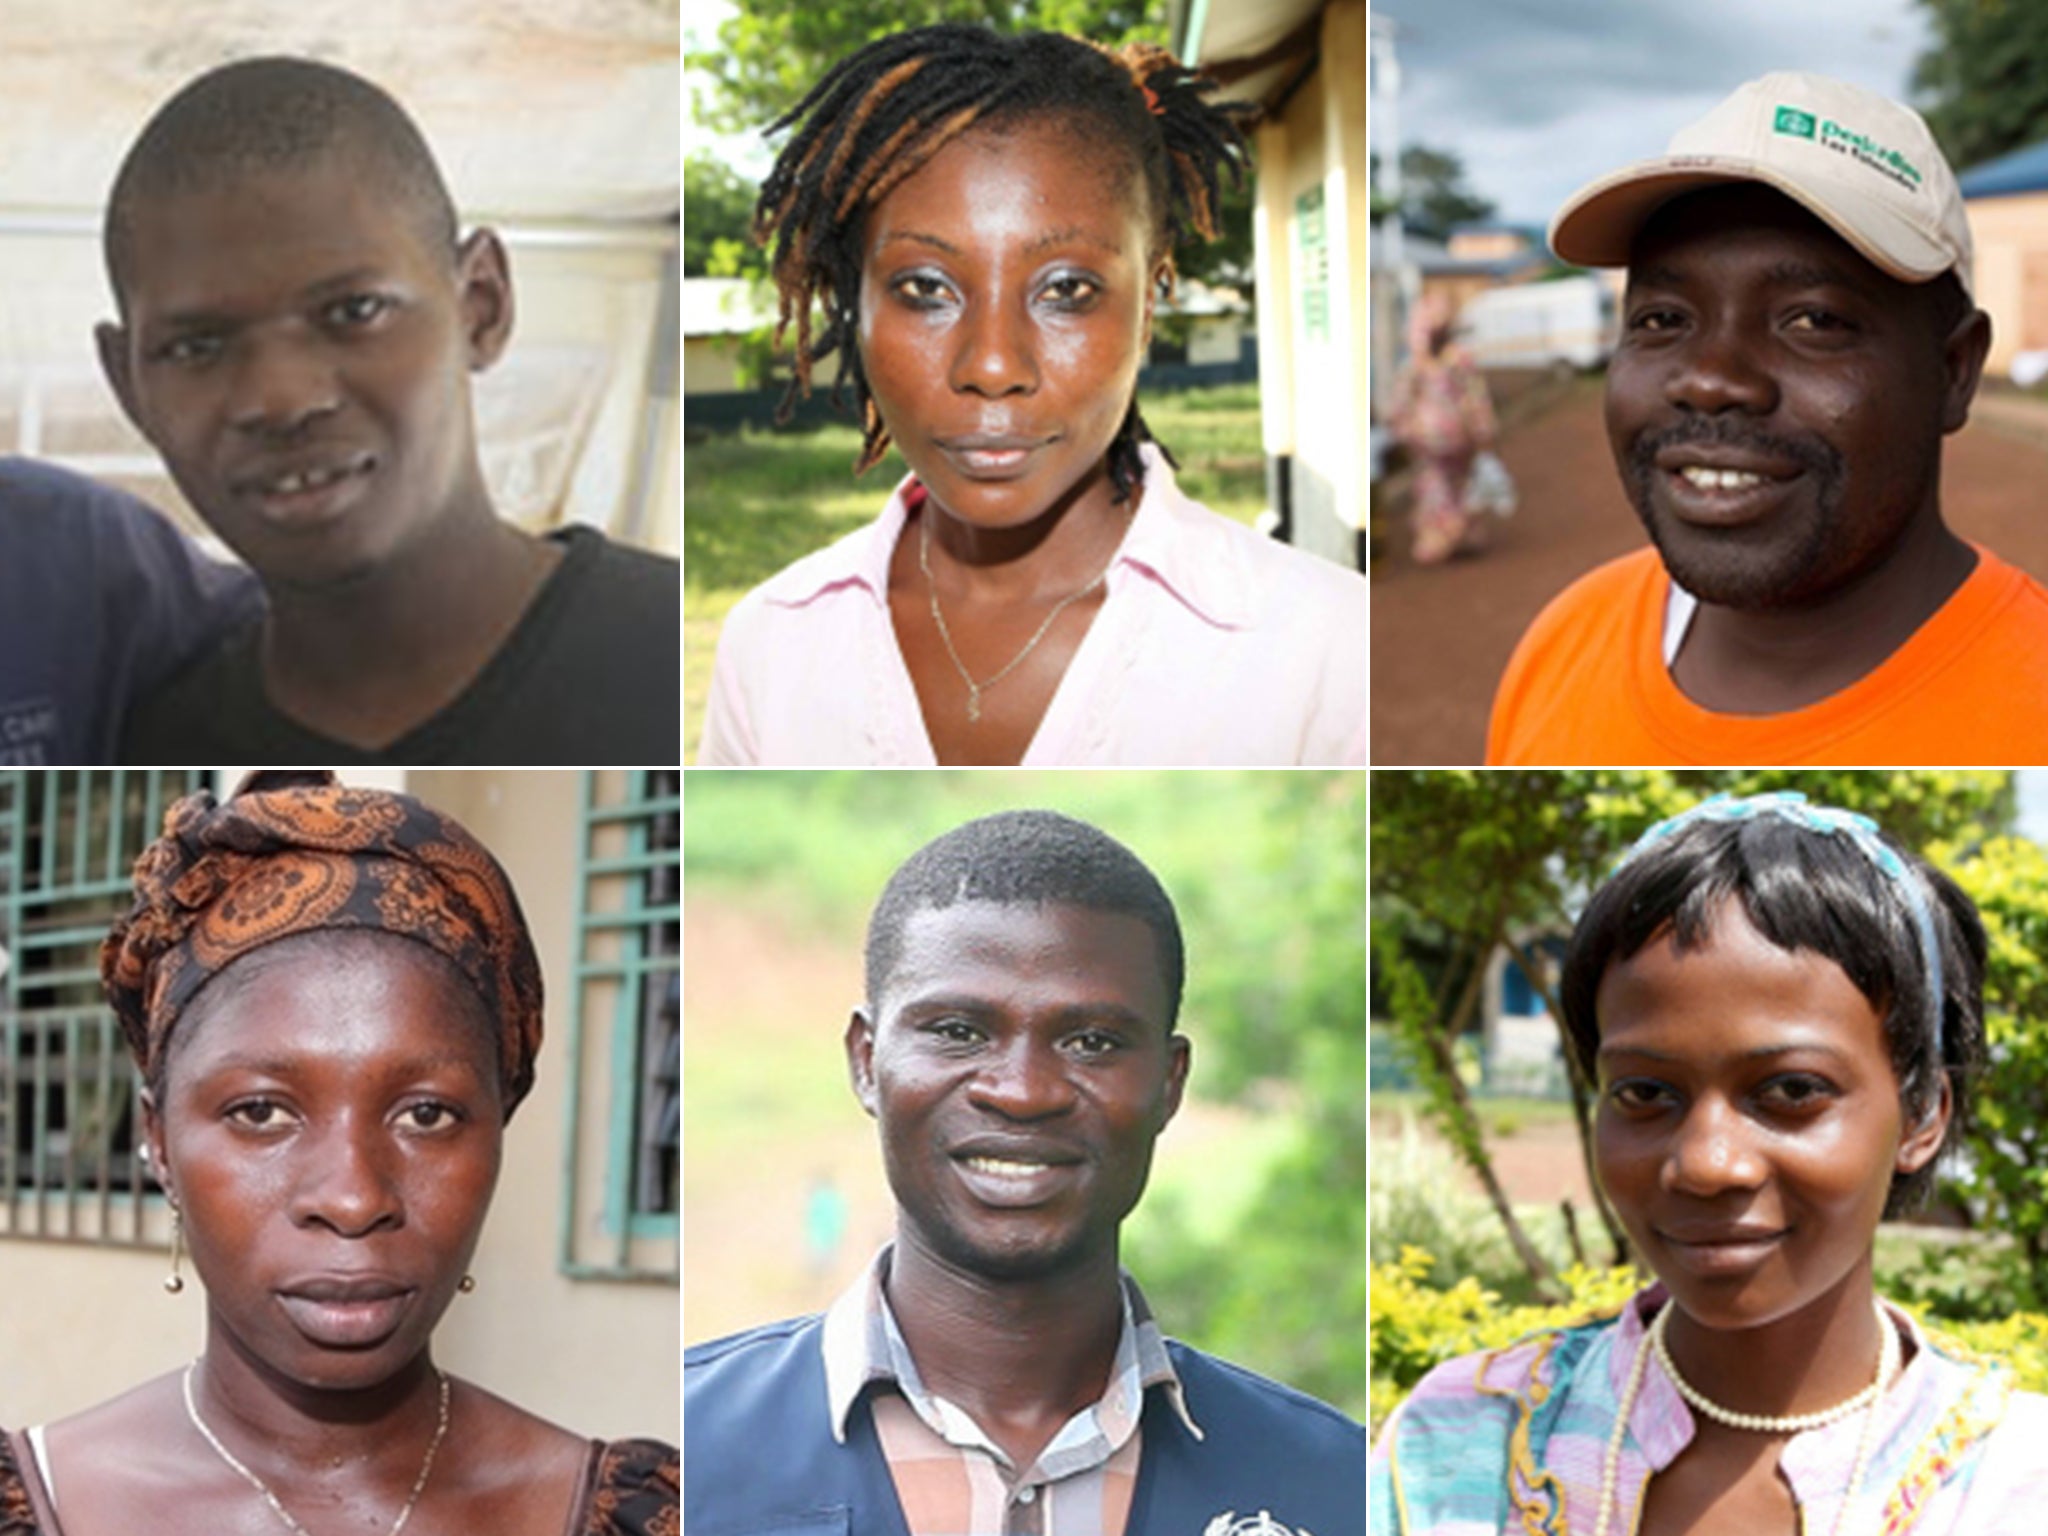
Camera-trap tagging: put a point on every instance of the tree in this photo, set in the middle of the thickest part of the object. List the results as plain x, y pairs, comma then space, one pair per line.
770, 52
1468, 862
1982, 85
1434, 198
718, 216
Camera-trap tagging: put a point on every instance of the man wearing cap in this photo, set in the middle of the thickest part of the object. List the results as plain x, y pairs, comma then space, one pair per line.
1797, 338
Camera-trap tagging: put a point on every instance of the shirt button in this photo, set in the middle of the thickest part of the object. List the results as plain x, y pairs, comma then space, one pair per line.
1027, 1494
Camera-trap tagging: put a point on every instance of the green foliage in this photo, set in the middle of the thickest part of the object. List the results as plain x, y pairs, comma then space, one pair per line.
1434, 198
1466, 861
1982, 85
1416, 1198
718, 220
770, 52
1268, 873
759, 500
2006, 1187
1418, 1325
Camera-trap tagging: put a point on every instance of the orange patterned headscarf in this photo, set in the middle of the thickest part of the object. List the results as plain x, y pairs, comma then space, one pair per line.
290, 853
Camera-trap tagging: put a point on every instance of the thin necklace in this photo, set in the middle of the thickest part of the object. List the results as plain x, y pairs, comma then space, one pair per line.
1782, 1424
419, 1483
1610, 1468
974, 689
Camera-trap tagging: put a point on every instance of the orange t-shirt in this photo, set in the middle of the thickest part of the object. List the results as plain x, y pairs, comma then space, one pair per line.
1588, 685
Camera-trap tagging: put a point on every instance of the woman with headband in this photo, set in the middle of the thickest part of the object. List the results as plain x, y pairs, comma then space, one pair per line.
1782, 1012
335, 1007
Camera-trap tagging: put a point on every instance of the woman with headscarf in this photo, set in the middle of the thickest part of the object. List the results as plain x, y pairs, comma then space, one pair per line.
335, 1006
1444, 419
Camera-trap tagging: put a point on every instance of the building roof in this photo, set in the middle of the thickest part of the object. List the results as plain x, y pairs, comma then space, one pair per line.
2024, 170
724, 306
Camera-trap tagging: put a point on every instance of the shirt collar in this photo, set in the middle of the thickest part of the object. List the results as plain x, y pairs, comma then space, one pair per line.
1172, 540
862, 1344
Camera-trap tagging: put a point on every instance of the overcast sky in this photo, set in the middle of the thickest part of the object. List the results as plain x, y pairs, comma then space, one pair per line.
1538, 97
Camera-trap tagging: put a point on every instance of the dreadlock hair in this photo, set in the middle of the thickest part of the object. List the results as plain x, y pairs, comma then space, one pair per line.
881, 113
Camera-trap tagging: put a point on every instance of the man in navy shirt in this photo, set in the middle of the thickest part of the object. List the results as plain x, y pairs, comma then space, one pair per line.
100, 599
995, 1371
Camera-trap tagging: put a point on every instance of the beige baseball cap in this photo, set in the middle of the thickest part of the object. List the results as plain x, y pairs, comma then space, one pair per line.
1863, 164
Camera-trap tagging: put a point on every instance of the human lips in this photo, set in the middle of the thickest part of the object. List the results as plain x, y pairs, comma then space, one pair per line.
1712, 1249
346, 1311
1011, 1173
1721, 487
992, 455
306, 490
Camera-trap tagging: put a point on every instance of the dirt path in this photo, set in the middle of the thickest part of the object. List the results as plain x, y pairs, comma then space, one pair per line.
1441, 635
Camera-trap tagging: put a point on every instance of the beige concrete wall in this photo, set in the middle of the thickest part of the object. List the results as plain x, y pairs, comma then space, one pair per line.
80, 1323
2011, 272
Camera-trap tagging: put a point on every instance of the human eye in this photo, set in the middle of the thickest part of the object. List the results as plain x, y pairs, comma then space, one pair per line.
1072, 290
952, 1032
355, 310
1094, 1044
262, 1115
1797, 1093
1640, 1095
191, 349
921, 290
430, 1115
1654, 320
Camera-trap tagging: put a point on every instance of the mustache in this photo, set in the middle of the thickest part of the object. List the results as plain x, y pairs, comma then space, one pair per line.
1818, 458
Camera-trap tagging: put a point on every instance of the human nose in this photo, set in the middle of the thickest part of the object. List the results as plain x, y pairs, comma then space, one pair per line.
1712, 1152
1719, 370
995, 354
281, 383
348, 1182
1026, 1082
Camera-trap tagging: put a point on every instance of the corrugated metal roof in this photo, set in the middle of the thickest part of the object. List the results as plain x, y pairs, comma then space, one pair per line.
2024, 170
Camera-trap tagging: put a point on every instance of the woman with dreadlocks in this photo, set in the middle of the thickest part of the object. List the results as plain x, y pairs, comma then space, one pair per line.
984, 224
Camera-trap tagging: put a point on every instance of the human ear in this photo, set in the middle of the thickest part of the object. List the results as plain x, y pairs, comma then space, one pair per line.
153, 1141
860, 1058
483, 277
1179, 1057
1917, 1148
112, 343
1962, 356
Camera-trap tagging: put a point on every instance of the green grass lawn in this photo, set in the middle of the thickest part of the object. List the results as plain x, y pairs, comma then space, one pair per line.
755, 502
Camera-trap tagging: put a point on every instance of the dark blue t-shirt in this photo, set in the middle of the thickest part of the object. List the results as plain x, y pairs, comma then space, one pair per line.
101, 598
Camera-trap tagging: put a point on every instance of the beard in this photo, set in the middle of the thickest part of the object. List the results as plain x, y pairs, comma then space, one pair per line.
1778, 565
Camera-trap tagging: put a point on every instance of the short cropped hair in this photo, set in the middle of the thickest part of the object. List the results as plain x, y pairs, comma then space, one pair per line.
1037, 858
267, 115
1804, 890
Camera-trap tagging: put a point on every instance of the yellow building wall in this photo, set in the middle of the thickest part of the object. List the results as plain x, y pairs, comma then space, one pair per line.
81, 1323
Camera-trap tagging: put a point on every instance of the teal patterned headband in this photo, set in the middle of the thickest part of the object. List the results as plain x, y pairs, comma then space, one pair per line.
1860, 831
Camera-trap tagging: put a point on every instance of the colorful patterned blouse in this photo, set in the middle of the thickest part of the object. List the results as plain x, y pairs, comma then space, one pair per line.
1515, 1439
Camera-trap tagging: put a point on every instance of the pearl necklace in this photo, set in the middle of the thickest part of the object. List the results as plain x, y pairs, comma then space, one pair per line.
974, 689
419, 1483
1887, 1367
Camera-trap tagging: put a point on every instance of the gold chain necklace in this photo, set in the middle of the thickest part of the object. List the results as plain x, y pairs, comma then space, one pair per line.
419, 1483
974, 689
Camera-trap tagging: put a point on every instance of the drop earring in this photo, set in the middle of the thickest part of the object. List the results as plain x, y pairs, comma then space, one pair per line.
175, 1282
